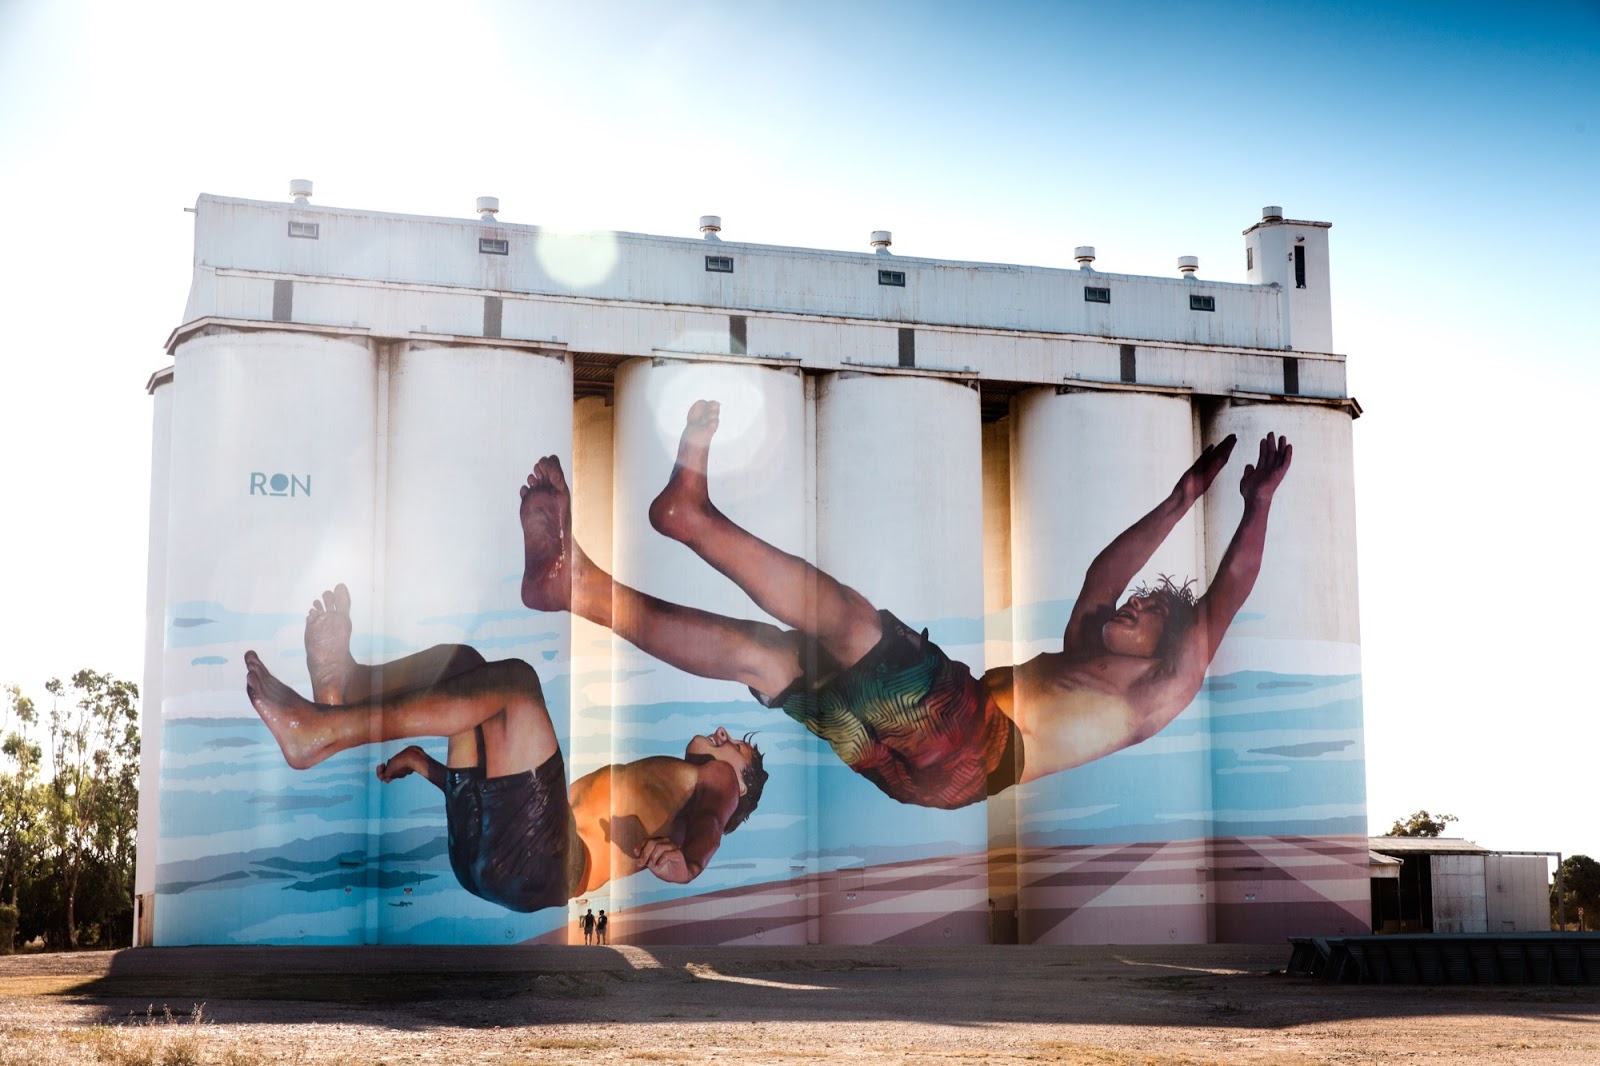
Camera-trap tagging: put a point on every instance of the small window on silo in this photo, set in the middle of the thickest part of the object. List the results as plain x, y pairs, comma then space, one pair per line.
1299, 266
719, 264
306, 230
892, 277
1202, 303
1096, 295
493, 246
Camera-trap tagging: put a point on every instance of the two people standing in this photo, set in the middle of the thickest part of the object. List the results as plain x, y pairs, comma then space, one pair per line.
594, 928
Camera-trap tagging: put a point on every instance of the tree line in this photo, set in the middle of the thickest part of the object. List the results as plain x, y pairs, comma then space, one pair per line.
69, 808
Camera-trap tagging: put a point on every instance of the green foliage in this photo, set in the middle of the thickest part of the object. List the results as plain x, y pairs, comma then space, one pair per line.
1422, 824
1580, 885
68, 822
8, 927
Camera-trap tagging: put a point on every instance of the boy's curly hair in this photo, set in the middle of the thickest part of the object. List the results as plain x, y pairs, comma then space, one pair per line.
755, 779
1183, 610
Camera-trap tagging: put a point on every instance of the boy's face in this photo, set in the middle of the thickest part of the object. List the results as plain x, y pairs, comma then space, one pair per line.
721, 746
1136, 629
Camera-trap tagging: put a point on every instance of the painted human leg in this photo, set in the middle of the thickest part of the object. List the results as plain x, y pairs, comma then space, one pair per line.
337, 678
308, 733
785, 586
559, 576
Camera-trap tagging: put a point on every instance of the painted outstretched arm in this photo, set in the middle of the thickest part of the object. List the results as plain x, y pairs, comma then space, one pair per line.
709, 808
1236, 575
1116, 566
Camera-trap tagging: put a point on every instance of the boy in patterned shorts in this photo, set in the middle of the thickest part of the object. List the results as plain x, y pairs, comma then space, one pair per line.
889, 701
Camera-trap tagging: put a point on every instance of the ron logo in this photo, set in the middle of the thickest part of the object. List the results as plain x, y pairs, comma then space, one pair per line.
279, 484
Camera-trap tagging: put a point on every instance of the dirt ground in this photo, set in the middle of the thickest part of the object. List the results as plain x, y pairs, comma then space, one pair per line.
1160, 1005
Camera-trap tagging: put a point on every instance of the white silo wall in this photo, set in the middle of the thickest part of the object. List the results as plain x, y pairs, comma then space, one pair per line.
997, 623
1290, 668
900, 520
756, 478
593, 455
593, 427
465, 425
273, 451
144, 876
1114, 848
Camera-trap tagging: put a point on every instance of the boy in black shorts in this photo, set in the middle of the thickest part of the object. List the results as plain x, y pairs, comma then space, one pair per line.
518, 836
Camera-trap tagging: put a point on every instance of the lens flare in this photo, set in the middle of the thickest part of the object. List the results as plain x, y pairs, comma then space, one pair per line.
578, 260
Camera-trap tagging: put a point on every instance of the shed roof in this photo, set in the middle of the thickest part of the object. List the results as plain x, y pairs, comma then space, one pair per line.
1403, 846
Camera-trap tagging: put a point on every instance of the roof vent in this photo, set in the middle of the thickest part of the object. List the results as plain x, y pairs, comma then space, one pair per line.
710, 226
1188, 264
1084, 254
488, 207
881, 239
1272, 214
300, 189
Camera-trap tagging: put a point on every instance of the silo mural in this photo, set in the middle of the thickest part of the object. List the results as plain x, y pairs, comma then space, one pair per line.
1104, 528
743, 645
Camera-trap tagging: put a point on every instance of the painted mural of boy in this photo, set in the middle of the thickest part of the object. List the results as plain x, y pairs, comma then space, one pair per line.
889, 702
518, 836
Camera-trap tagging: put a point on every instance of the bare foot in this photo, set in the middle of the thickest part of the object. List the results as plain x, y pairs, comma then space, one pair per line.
328, 646
681, 508
547, 538
302, 729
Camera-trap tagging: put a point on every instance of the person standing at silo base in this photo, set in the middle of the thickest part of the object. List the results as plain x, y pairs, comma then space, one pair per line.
517, 835
888, 700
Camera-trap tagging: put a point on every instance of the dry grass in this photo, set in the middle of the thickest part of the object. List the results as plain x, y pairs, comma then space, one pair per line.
159, 1039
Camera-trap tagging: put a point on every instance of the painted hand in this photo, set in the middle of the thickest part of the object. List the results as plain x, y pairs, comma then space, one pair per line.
407, 761
663, 858
1261, 478
1195, 480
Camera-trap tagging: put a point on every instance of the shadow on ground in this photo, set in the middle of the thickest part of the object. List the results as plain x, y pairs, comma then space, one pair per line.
1210, 986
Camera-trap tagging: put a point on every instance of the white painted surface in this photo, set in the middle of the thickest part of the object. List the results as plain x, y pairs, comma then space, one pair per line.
263, 403
634, 294
756, 477
155, 627
463, 427
1308, 310
1307, 587
900, 520
1084, 467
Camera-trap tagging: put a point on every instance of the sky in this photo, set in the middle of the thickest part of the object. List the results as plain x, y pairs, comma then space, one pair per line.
1454, 147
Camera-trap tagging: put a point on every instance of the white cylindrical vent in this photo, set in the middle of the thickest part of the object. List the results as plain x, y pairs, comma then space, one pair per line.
1084, 254
710, 226
1272, 214
881, 239
300, 189
488, 207
1188, 264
